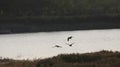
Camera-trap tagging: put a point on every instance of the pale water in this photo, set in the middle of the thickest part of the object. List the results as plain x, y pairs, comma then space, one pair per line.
40, 45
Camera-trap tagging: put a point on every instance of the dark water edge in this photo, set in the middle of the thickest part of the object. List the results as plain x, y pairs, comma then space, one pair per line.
10, 25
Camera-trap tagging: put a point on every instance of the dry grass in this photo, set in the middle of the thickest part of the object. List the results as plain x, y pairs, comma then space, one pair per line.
97, 59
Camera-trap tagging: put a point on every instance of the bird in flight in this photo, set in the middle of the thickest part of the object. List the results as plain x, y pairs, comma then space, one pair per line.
70, 44
70, 37
58, 46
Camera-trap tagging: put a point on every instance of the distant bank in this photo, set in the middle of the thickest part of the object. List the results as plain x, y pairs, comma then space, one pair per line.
19, 16
27, 24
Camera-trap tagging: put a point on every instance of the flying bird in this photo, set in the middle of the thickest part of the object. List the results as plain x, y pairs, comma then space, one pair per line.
58, 46
70, 44
70, 37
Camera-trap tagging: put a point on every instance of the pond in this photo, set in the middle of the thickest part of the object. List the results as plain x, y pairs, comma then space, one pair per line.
41, 45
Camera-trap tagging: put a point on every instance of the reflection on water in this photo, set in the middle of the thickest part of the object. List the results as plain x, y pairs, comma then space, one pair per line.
40, 45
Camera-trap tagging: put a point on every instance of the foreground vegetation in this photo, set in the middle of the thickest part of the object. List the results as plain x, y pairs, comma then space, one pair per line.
96, 59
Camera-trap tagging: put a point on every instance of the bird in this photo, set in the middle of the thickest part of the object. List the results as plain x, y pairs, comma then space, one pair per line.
70, 44
70, 37
58, 46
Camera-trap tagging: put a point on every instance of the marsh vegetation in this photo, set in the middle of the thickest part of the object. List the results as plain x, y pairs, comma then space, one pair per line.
95, 59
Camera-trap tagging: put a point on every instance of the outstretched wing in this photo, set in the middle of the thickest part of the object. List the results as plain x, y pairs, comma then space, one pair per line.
57, 46
69, 38
70, 44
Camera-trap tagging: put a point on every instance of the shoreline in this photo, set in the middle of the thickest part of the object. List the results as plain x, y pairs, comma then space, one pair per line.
28, 24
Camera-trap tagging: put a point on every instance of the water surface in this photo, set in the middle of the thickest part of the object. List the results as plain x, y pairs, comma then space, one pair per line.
40, 45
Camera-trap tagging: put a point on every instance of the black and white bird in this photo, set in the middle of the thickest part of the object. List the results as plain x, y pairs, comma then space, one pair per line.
71, 44
70, 37
57, 46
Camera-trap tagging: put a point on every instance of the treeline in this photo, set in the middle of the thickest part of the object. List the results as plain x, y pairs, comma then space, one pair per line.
19, 16
97, 59
59, 8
